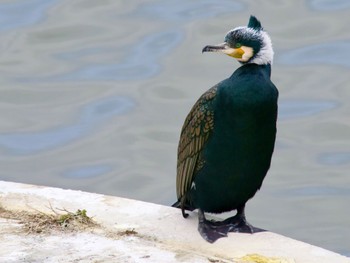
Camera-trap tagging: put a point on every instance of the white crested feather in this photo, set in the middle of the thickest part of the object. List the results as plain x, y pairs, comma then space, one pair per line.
265, 55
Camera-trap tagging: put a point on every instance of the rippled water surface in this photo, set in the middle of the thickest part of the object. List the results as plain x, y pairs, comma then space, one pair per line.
93, 95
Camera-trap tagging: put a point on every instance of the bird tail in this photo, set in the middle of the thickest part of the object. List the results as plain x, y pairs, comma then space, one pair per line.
177, 204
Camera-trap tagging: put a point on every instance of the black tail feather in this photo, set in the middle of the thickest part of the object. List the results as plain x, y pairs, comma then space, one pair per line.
177, 204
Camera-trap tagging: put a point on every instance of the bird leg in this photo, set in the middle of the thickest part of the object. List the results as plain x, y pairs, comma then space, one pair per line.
213, 230
239, 223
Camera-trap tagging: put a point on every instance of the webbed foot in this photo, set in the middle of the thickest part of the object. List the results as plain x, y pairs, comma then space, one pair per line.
239, 224
213, 230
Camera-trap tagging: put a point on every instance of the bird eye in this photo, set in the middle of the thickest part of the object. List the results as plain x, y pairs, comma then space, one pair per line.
238, 45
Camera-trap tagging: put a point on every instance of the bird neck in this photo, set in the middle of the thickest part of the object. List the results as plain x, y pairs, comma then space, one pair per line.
265, 68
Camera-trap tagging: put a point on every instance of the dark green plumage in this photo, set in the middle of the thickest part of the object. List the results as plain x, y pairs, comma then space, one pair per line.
254, 23
228, 137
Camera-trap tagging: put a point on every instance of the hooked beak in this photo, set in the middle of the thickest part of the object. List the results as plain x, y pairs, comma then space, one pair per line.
226, 49
216, 48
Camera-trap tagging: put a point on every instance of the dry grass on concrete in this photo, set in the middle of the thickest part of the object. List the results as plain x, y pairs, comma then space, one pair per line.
59, 220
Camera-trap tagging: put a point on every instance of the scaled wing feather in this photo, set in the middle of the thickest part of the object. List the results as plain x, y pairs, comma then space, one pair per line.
195, 133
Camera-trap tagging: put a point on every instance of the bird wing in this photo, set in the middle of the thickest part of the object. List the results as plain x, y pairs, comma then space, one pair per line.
195, 132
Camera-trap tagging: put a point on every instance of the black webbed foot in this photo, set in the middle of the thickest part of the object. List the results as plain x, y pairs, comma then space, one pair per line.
239, 224
213, 230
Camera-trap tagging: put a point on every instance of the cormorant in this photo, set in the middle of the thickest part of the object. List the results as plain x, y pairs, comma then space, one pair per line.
228, 138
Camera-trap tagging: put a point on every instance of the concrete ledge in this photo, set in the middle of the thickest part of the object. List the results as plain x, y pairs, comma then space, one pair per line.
155, 234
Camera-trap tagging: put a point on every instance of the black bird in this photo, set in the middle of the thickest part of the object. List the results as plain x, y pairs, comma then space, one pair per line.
228, 137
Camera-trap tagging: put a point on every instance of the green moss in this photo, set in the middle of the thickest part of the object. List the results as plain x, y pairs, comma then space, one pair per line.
80, 216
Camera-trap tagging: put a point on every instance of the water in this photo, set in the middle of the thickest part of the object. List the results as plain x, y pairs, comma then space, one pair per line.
93, 95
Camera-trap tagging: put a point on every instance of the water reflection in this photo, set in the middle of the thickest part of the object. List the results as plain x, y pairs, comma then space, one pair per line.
329, 5
316, 191
23, 13
141, 61
88, 171
183, 11
92, 116
335, 158
325, 53
289, 109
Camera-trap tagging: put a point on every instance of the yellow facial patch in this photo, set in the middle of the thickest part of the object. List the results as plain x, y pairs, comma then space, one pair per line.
234, 52
242, 54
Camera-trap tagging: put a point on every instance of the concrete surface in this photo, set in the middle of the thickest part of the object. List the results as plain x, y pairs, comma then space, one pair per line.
133, 231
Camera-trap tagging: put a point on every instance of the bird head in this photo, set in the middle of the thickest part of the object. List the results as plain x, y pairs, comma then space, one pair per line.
248, 44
